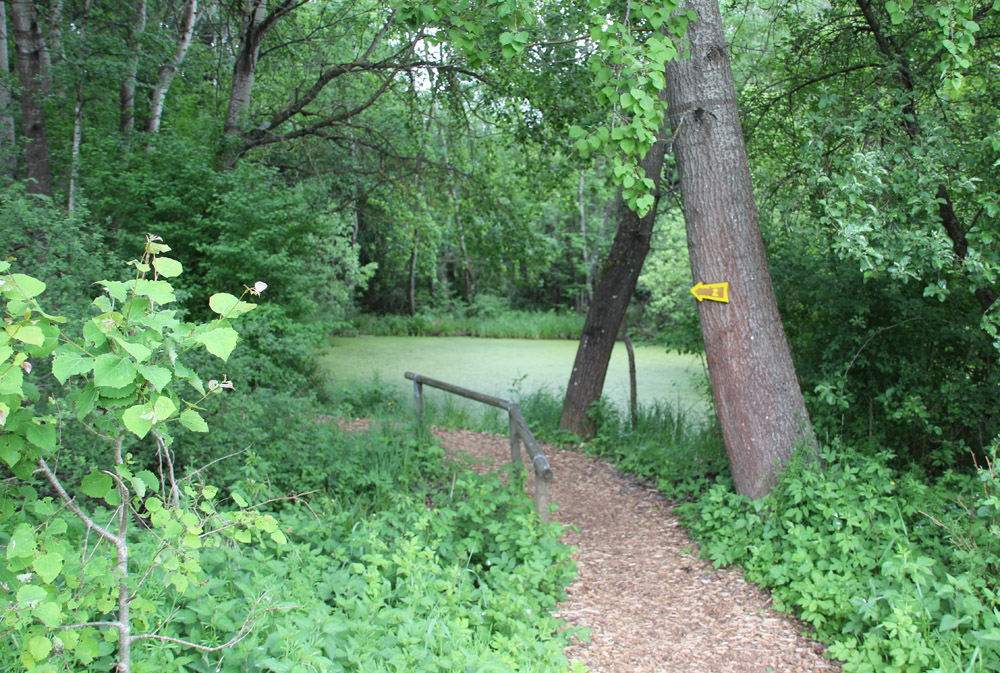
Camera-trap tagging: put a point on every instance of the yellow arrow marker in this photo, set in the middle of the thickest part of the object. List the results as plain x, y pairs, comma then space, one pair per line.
713, 292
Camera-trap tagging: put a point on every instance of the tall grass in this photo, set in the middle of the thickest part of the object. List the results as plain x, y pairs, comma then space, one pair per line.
508, 324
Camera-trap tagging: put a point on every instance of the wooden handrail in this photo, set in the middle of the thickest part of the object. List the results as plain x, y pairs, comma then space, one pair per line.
519, 432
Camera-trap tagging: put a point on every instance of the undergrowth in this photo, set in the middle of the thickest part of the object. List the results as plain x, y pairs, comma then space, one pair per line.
897, 571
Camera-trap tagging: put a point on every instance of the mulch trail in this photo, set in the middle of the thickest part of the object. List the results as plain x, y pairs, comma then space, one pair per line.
650, 603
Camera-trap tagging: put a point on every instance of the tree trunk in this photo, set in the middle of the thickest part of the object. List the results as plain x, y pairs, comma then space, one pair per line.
245, 68
582, 211
413, 274
126, 94
8, 141
32, 77
169, 69
757, 394
74, 162
633, 387
612, 293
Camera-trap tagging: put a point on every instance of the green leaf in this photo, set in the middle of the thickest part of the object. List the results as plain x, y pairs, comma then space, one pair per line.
48, 613
115, 289
97, 485
22, 542
11, 381
42, 435
167, 267
138, 420
40, 647
159, 291
158, 377
11, 447
163, 408
220, 342
113, 371
48, 566
93, 334
87, 650
69, 361
192, 420
149, 478
85, 400
29, 334
138, 351
30, 594
227, 305
19, 286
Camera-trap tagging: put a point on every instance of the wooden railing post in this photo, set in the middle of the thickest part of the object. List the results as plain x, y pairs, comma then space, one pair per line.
418, 401
515, 439
519, 432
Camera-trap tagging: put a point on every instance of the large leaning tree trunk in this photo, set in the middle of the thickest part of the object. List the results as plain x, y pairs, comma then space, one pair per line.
612, 293
33, 79
757, 394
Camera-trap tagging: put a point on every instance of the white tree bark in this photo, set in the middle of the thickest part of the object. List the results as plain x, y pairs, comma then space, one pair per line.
169, 69
8, 141
126, 94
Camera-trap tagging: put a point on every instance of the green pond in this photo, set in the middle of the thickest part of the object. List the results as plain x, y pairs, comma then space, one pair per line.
505, 367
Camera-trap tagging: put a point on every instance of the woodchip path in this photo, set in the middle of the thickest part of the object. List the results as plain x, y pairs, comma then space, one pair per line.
651, 605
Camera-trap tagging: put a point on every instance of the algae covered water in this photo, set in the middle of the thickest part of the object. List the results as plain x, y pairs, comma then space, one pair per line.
506, 367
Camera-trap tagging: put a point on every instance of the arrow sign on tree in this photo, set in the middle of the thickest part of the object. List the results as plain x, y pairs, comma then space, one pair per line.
713, 292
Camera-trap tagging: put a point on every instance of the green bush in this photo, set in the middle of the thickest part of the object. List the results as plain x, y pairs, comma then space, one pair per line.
897, 572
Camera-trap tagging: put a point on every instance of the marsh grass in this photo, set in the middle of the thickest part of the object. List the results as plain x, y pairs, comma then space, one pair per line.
507, 323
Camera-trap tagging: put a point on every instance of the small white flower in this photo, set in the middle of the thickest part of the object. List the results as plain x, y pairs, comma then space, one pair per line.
26, 366
217, 387
257, 288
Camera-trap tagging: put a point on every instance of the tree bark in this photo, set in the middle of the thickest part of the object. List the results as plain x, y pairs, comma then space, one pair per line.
126, 93
8, 141
612, 293
32, 78
412, 294
169, 69
256, 23
757, 395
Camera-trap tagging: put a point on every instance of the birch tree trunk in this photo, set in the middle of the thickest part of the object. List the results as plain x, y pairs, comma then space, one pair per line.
126, 93
8, 141
245, 68
32, 78
169, 69
757, 394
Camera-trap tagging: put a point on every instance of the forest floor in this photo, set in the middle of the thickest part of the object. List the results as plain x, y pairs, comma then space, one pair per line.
650, 604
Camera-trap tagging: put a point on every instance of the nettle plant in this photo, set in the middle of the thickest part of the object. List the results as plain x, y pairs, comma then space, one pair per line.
73, 593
